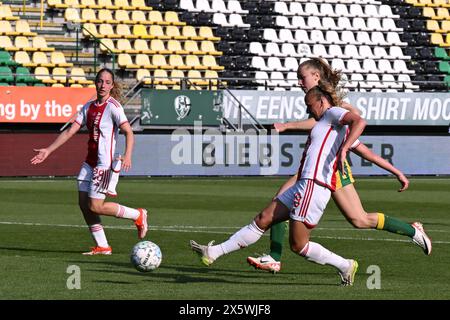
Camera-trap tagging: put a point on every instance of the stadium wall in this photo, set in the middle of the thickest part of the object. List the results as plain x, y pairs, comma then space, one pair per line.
212, 153
17, 150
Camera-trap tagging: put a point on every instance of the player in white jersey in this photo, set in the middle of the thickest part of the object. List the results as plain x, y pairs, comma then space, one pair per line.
99, 174
305, 201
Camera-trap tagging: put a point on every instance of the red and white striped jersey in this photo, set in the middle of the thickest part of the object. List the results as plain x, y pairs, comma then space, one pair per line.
322, 147
103, 122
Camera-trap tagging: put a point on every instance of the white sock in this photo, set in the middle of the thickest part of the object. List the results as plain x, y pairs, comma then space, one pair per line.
316, 253
98, 234
127, 213
241, 239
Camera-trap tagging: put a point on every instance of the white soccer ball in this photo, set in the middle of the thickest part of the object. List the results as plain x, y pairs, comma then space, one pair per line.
146, 256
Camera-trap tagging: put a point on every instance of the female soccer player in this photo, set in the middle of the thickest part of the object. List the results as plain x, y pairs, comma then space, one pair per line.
99, 173
304, 202
311, 73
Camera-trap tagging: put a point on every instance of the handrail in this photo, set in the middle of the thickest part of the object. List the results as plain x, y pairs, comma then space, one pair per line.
98, 42
255, 122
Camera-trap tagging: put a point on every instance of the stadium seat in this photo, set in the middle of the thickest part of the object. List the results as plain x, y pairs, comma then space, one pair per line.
42, 74
59, 60
59, 74
6, 59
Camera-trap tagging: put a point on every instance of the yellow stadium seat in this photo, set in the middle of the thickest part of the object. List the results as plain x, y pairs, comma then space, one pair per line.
210, 63
193, 62
40, 58
207, 46
58, 59
124, 61
106, 16
124, 45
441, 3
445, 26
73, 4
173, 32
57, 4
107, 4
106, 45
140, 4
90, 4
89, 15
143, 61
437, 39
40, 44
174, 46
176, 75
59, 74
161, 77
141, 46
189, 32
123, 31
144, 76
42, 74
207, 34
155, 17
71, 14
158, 32
6, 44
433, 25
442, 14
423, 3
191, 47
23, 43
176, 62
171, 17
23, 28
6, 13
161, 87
139, 16
122, 17
23, 58
140, 31
159, 62
6, 29
157, 45
106, 30
89, 30
195, 78
77, 75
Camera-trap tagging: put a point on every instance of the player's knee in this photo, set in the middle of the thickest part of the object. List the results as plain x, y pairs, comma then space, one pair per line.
297, 246
361, 222
95, 207
264, 219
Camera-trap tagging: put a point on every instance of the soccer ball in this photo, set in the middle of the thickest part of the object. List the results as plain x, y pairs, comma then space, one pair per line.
146, 256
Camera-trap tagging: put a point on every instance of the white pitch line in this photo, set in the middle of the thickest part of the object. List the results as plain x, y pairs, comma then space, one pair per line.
192, 229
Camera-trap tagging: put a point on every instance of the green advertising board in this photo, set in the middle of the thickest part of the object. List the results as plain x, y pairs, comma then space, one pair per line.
181, 107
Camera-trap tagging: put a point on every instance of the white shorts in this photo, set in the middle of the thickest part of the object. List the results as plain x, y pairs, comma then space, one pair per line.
307, 201
87, 182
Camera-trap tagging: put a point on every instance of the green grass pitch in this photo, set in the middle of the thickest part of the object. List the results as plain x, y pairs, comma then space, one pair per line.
42, 234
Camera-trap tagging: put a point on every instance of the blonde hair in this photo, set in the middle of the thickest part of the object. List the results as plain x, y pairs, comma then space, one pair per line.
317, 93
329, 80
116, 91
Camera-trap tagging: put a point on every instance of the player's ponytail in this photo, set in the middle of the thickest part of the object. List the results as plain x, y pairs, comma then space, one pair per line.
330, 78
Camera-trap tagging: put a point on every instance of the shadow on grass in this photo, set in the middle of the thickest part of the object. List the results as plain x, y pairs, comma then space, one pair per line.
38, 250
192, 274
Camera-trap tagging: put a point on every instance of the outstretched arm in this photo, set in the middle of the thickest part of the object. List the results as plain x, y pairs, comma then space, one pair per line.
59, 141
364, 152
303, 125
